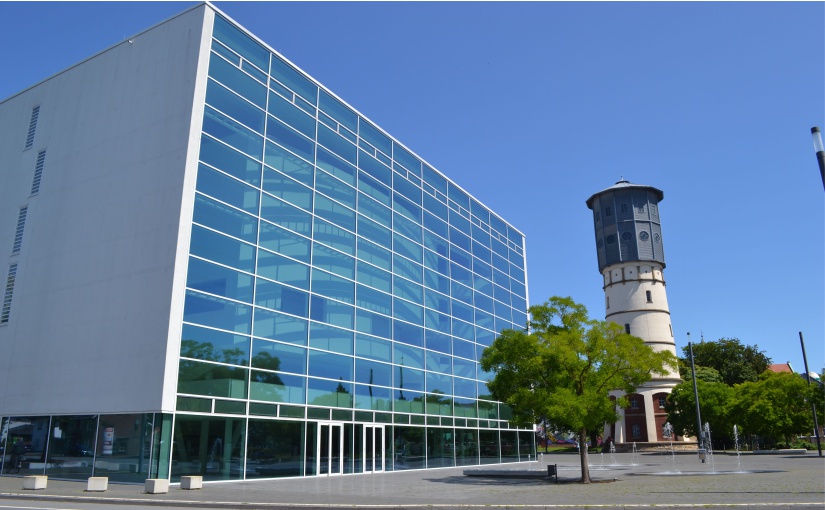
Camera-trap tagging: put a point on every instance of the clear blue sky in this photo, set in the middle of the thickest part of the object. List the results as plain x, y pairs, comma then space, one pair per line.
533, 107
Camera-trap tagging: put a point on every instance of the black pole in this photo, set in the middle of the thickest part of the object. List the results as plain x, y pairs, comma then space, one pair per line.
700, 436
820, 152
813, 404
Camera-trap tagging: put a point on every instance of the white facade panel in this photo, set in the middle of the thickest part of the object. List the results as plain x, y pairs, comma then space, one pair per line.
98, 268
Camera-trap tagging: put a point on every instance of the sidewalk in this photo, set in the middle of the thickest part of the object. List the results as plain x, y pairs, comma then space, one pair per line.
624, 481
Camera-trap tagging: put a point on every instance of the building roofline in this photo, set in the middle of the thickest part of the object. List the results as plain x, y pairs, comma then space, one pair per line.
623, 185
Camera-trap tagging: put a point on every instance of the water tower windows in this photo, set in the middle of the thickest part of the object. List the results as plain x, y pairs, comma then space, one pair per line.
608, 212
598, 216
648, 296
627, 328
611, 239
627, 236
671, 330
624, 208
634, 403
607, 302
635, 431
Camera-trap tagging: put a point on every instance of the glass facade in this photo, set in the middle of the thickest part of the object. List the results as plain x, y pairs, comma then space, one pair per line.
125, 447
340, 291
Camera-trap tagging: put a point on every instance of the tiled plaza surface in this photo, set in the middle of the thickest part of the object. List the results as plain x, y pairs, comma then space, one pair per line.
652, 480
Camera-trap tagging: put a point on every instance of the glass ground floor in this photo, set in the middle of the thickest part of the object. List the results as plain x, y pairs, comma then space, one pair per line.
322, 442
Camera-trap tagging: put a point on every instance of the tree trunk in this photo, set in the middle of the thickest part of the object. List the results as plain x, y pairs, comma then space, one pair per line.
583, 444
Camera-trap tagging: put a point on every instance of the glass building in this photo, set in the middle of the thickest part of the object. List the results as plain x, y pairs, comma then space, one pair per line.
292, 290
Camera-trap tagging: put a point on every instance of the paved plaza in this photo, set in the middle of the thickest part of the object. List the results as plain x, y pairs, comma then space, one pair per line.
660, 480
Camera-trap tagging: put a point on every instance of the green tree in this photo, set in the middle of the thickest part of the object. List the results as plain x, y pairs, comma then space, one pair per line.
776, 406
714, 397
706, 374
736, 363
564, 366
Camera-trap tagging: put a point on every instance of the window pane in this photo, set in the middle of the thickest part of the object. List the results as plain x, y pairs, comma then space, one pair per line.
213, 345
291, 114
332, 286
236, 107
229, 131
374, 168
334, 212
373, 188
220, 217
284, 270
284, 242
288, 163
373, 323
337, 144
220, 280
374, 232
374, 210
374, 277
329, 338
277, 326
331, 312
330, 366
408, 334
372, 135
288, 138
222, 249
210, 379
338, 111
333, 261
230, 161
279, 357
226, 189
335, 189
288, 216
336, 166
329, 393
331, 235
281, 298
373, 348
241, 43
374, 300
290, 77
237, 80
272, 387
217, 313
374, 254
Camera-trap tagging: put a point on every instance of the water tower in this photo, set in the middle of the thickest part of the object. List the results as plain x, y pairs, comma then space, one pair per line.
632, 260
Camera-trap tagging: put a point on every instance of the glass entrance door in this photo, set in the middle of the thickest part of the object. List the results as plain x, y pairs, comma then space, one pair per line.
373, 448
330, 449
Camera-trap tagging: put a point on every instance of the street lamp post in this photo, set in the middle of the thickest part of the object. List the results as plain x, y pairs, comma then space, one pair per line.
700, 437
820, 152
813, 405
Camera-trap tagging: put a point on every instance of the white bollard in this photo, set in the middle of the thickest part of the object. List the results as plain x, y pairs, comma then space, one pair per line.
191, 482
35, 482
157, 486
97, 484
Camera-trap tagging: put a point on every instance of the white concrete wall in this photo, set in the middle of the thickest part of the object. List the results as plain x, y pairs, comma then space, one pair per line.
625, 289
95, 318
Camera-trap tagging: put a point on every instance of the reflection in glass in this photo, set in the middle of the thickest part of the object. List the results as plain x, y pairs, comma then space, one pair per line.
208, 447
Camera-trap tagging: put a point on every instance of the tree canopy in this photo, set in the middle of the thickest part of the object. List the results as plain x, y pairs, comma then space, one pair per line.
564, 366
735, 362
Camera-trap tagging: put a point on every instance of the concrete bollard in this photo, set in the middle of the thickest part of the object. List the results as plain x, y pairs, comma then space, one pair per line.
191, 482
157, 486
97, 484
35, 482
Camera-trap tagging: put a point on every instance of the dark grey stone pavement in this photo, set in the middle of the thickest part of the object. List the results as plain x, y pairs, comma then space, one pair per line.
623, 481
